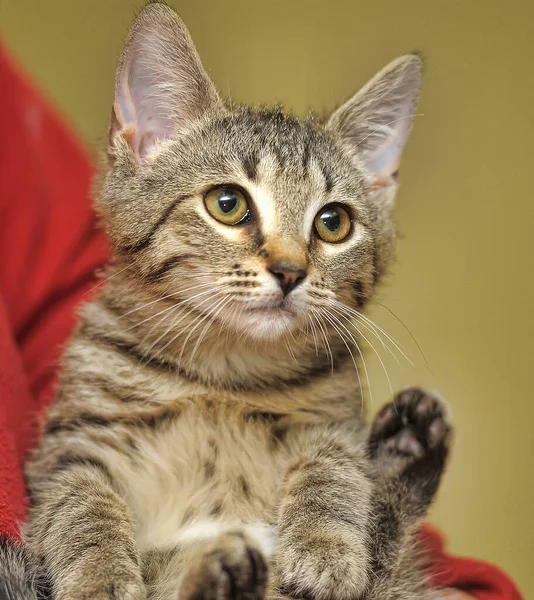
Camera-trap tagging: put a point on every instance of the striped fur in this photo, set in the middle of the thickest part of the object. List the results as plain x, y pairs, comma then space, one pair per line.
205, 431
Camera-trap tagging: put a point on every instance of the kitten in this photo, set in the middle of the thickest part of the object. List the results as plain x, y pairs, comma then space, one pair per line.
207, 440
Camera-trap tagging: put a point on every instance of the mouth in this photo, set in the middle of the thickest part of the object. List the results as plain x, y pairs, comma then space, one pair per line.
273, 310
268, 320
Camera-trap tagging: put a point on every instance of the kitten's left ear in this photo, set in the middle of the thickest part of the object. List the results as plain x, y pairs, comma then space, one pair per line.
160, 85
376, 122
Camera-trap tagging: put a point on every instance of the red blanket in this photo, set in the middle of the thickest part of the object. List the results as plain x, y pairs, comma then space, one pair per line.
49, 251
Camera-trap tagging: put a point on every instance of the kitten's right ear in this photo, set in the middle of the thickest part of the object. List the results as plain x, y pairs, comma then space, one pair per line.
160, 85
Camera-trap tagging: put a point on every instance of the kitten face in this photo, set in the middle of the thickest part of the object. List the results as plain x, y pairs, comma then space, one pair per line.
252, 218
289, 172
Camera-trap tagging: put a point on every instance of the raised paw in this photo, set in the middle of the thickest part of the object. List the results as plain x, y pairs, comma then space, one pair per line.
410, 437
230, 568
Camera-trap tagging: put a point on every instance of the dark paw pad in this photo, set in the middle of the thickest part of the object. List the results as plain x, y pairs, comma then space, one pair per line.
411, 436
411, 425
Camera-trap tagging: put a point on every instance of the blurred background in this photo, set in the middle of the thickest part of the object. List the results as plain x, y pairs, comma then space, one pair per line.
462, 289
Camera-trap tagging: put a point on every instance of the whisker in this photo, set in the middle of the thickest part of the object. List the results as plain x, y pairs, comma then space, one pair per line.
180, 331
314, 333
227, 299
352, 318
414, 339
161, 298
362, 317
373, 348
326, 344
342, 337
103, 281
290, 350
137, 308
193, 330
168, 308
176, 321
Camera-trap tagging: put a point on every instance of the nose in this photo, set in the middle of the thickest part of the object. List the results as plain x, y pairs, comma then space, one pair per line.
289, 276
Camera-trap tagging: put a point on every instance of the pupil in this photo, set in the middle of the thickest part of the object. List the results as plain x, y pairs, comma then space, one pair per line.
227, 202
331, 219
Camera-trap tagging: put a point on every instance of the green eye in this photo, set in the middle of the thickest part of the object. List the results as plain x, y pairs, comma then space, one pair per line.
227, 205
333, 224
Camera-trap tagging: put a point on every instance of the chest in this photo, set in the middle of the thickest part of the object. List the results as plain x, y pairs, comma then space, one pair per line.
217, 466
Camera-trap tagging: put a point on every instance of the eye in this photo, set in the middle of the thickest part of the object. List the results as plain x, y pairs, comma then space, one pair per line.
333, 223
227, 205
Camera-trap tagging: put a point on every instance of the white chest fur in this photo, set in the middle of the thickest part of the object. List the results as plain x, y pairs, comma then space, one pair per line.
200, 476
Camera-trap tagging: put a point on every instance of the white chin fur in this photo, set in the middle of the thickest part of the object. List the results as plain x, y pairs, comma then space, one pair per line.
261, 325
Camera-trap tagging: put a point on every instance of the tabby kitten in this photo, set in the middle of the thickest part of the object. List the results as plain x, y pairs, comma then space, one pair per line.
207, 439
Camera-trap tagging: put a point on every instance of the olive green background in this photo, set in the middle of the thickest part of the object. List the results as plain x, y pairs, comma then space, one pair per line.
463, 285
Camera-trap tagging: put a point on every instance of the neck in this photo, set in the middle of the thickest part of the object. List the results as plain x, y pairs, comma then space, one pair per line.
201, 347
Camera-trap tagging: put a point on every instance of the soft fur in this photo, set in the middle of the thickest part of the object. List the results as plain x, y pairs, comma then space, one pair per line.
207, 439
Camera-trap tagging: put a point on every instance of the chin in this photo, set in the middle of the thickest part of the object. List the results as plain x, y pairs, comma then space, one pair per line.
267, 324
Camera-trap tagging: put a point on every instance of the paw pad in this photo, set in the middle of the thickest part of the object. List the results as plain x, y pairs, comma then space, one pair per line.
412, 425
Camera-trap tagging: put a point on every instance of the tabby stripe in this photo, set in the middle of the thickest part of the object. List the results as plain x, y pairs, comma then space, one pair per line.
134, 352
151, 420
359, 294
264, 416
328, 179
166, 266
314, 373
69, 461
306, 156
122, 394
250, 165
147, 240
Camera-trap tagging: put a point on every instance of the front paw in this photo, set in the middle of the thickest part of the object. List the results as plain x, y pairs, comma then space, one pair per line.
102, 590
323, 563
232, 567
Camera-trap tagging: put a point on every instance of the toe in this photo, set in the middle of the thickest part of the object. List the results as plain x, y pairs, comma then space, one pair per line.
438, 431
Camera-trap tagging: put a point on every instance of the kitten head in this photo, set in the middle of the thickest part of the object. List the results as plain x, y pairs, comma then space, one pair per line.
250, 216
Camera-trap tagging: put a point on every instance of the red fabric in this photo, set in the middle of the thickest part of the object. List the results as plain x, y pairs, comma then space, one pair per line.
477, 578
49, 251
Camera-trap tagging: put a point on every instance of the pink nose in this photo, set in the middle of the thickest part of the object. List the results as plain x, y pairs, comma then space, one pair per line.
289, 276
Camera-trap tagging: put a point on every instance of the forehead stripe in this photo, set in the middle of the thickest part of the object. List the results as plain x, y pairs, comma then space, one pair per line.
250, 165
146, 240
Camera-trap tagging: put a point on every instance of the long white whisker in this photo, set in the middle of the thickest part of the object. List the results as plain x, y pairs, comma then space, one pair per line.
342, 309
174, 323
290, 350
160, 298
314, 333
326, 344
207, 316
372, 346
342, 337
103, 281
175, 305
186, 314
409, 332
209, 324
361, 316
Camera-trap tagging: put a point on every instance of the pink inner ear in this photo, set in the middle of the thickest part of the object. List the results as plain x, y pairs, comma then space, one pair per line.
138, 112
146, 143
379, 182
160, 83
